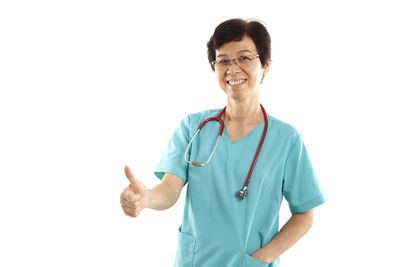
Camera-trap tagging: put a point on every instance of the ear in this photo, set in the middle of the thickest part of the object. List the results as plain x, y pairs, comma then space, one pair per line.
266, 67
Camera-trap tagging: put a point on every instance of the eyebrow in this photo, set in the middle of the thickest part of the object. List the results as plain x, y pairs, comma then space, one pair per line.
241, 51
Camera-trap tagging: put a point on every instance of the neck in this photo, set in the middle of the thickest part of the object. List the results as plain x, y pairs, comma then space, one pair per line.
244, 112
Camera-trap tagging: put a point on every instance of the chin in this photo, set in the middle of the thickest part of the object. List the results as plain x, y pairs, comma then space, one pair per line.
236, 95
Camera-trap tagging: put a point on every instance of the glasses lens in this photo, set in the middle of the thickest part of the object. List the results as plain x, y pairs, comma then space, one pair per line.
221, 64
244, 61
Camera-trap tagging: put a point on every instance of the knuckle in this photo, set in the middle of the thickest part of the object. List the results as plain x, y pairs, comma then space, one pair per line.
131, 212
131, 209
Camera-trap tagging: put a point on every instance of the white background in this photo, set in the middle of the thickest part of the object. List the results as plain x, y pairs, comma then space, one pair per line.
88, 87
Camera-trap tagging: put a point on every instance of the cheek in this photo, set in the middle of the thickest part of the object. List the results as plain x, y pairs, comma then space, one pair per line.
253, 80
221, 79
255, 77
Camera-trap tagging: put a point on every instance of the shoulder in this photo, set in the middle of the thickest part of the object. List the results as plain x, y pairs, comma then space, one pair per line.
196, 118
192, 121
205, 113
283, 130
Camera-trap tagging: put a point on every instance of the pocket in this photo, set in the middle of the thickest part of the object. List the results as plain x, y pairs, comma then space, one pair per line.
185, 251
252, 262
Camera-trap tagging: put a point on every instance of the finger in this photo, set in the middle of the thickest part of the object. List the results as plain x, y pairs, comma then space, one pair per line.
127, 198
130, 197
124, 195
129, 191
129, 174
133, 206
131, 212
133, 215
135, 185
129, 209
126, 205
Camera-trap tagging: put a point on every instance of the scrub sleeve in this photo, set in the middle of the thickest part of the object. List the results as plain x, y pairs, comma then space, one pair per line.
172, 160
300, 184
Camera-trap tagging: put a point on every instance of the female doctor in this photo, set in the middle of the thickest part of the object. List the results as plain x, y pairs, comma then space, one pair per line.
231, 214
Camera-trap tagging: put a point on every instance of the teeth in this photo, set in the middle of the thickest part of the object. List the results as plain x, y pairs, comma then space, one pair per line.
236, 82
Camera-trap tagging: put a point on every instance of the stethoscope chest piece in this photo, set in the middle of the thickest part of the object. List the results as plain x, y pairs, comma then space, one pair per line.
243, 193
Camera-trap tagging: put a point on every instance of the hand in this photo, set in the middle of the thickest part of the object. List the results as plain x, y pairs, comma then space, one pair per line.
259, 256
135, 197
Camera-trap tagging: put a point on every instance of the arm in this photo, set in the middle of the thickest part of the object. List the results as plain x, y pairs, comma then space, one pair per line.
136, 196
291, 232
166, 193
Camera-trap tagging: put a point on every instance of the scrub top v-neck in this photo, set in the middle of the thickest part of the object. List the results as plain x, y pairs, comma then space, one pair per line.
262, 124
218, 228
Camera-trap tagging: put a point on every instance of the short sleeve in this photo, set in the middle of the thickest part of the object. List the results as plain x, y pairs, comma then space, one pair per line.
172, 160
300, 184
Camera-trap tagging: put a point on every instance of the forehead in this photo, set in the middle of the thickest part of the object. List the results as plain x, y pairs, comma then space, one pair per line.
235, 47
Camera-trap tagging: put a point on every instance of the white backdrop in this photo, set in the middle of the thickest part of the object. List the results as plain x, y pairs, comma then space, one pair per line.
87, 87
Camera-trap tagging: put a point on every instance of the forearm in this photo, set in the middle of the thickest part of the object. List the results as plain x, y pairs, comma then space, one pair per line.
291, 232
161, 197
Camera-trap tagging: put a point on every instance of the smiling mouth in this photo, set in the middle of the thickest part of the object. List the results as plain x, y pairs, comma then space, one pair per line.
236, 82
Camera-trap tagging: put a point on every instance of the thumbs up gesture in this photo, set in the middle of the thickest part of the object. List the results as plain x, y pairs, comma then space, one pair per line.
135, 197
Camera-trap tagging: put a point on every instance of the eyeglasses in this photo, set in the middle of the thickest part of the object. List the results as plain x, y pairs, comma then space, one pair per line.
224, 64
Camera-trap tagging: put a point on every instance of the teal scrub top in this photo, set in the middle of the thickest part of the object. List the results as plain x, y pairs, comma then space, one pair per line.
218, 228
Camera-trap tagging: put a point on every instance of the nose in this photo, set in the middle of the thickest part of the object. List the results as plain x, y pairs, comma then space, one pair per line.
233, 67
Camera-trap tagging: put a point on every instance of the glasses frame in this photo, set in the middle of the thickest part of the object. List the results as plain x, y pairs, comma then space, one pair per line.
214, 63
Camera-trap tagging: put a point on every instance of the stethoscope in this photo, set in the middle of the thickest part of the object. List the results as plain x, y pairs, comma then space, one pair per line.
243, 191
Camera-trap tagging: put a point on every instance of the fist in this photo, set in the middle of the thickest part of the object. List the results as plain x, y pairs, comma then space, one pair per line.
135, 197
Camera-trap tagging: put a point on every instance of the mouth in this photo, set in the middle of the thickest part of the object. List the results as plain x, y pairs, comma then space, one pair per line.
236, 82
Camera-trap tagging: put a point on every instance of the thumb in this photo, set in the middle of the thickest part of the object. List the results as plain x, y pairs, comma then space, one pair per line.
134, 182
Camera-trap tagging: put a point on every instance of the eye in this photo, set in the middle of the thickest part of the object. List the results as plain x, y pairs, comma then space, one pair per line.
223, 61
243, 58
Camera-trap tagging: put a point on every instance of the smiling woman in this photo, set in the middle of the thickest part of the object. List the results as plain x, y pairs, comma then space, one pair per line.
222, 225
242, 79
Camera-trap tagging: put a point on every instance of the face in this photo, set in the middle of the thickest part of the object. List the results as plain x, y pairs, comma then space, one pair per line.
240, 82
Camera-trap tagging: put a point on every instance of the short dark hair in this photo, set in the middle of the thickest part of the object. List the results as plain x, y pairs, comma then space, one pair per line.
234, 30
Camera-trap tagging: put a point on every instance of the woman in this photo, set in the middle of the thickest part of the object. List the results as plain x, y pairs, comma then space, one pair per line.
223, 226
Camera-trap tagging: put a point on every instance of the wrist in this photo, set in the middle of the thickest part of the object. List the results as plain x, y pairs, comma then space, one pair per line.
147, 199
266, 254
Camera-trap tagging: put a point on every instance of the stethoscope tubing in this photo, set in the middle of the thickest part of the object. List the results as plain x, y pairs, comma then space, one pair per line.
259, 147
242, 192
221, 130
